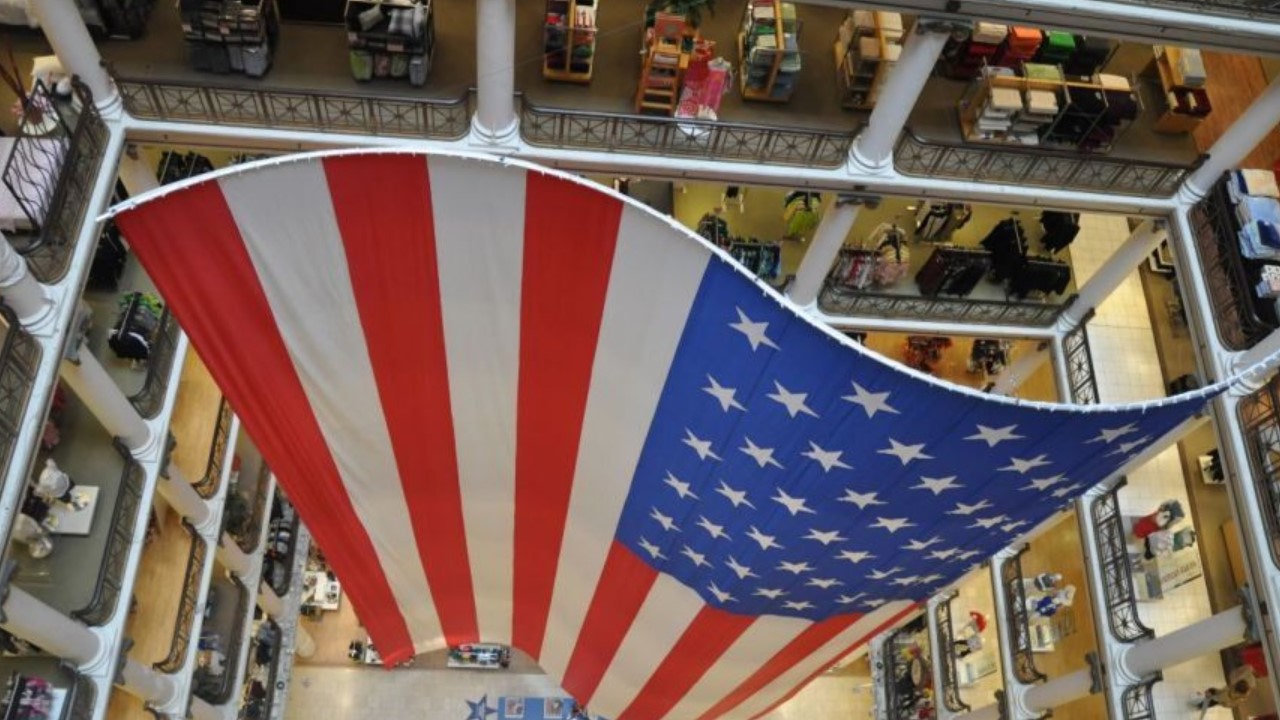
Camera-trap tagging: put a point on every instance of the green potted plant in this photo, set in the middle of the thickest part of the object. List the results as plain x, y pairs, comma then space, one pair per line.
690, 9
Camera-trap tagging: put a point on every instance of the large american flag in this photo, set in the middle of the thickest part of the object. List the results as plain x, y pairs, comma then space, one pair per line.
514, 407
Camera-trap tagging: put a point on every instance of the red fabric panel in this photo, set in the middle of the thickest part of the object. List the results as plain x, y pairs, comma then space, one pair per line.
193, 252
699, 647
624, 584
800, 647
391, 259
812, 676
567, 261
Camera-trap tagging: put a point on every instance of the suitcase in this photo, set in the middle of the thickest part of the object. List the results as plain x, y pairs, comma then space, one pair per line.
257, 60
418, 71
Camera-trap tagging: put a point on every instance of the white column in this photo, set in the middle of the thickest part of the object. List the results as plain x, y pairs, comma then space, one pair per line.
95, 388
152, 686
873, 148
233, 558
1210, 635
836, 223
22, 291
32, 620
303, 645
1058, 691
1233, 146
1023, 367
182, 497
495, 120
66, 32
137, 174
201, 710
986, 712
269, 600
1104, 281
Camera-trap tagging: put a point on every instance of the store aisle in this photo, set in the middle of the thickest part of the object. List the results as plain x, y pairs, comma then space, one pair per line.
1123, 348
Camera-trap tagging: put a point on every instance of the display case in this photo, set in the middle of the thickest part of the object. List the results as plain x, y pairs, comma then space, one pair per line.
225, 36
569, 40
391, 39
769, 51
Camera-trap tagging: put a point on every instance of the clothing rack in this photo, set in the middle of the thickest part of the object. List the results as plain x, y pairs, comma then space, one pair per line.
1060, 229
27, 698
953, 270
716, 229
1040, 276
938, 221
988, 356
1007, 243
763, 259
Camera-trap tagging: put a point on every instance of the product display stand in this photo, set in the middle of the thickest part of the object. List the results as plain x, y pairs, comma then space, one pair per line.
391, 38
769, 51
666, 57
866, 48
226, 36
1182, 78
569, 42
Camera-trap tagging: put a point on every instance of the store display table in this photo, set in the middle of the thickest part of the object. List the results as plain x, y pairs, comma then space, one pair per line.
70, 521
534, 708
318, 591
479, 656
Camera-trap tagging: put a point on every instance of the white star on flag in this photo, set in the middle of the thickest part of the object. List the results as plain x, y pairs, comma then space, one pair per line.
995, 436
1043, 484
826, 538
862, 500
742, 571
1010, 527
824, 583
762, 456
905, 453
664, 520
965, 509
681, 488
721, 595
765, 541
905, 580
698, 558
871, 402
942, 554
1107, 435
854, 556
793, 402
654, 551
794, 568
1127, 447
882, 574
850, 599
771, 593
937, 485
754, 331
893, 525
1022, 466
874, 603
826, 458
1066, 490
921, 544
794, 505
988, 523
725, 395
797, 605
737, 497
700, 446
715, 531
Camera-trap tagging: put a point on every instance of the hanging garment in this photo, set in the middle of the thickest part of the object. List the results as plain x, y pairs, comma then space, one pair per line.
1060, 229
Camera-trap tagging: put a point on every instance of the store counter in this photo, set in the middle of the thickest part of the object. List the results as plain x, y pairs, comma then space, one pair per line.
70, 521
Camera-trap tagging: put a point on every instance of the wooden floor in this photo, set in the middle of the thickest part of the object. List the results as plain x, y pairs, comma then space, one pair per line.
1234, 82
195, 416
124, 706
156, 595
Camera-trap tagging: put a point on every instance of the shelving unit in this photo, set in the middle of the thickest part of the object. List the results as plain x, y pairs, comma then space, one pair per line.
226, 36
391, 39
1186, 101
769, 51
666, 57
866, 48
569, 41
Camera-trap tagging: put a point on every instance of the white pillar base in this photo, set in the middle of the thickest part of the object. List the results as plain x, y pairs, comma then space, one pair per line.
482, 137
233, 558
201, 710
177, 491
151, 686
271, 603
864, 165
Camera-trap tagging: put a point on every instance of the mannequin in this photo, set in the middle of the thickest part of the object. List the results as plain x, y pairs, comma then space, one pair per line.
1169, 512
55, 485
1047, 605
30, 528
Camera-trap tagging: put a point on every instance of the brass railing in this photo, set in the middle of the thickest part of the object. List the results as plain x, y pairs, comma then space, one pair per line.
710, 139
950, 690
415, 117
838, 301
1260, 417
164, 347
19, 359
207, 486
1038, 167
1117, 573
1079, 359
1018, 621
124, 518
185, 621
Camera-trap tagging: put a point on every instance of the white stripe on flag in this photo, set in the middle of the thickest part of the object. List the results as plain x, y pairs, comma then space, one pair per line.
480, 271
667, 611
287, 221
649, 297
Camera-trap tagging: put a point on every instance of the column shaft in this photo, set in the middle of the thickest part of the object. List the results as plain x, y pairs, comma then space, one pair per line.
836, 223
201, 710
874, 146
1060, 690
1238, 141
303, 645
21, 291
1132, 252
1200, 638
233, 558
182, 497
95, 388
151, 685
65, 29
495, 119
1023, 367
32, 620
986, 712
137, 174
272, 603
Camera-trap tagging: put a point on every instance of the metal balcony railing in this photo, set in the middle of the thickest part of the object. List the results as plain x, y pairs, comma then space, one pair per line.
207, 486
1260, 417
187, 602
164, 347
709, 139
286, 526
1037, 167
838, 301
124, 518
50, 172
80, 699
950, 690
892, 673
220, 688
1075, 346
415, 117
1117, 573
260, 708
19, 359
1018, 621
1137, 701
248, 541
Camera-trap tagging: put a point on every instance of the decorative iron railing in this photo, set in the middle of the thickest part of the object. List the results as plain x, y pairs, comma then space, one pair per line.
80, 697
258, 708
124, 518
19, 359
1018, 621
207, 486
164, 347
249, 539
1039, 167
1260, 417
244, 603
50, 172
950, 690
1137, 701
187, 602
892, 674
1117, 573
415, 117
837, 301
710, 139
1230, 291
1075, 348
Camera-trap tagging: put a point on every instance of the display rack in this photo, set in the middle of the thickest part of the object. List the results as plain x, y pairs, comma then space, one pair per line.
769, 51
866, 48
226, 36
667, 45
1182, 78
569, 41
479, 656
391, 39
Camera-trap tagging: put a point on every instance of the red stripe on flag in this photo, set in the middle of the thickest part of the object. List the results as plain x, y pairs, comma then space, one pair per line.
391, 258
699, 647
823, 668
624, 584
567, 260
192, 250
